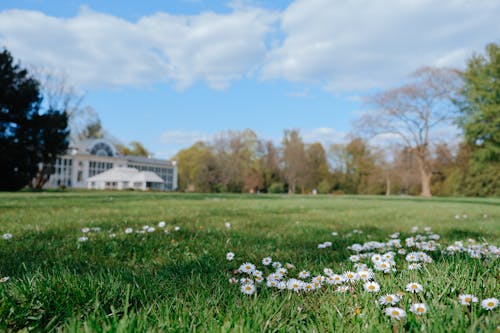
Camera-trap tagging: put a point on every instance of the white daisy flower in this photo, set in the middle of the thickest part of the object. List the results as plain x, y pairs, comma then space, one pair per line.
318, 279
259, 278
4, 279
248, 289
342, 289
227, 225
295, 285
233, 280
7, 236
365, 274
328, 271
282, 271
272, 283
289, 266
391, 299
304, 274
354, 258
396, 313
350, 276
246, 280
276, 264
96, 229
418, 308
83, 239
371, 287
309, 287
339, 279
151, 229
229, 256
85, 230
129, 230
177, 228
414, 287
247, 267
112, 235
415, 266
467, 299
267, 261
489, 303
334, 233
161, 224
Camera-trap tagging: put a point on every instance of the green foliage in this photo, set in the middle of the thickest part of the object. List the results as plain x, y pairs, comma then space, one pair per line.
28, 135
324, 187
480, 106
179, 281
135, 148
276, 187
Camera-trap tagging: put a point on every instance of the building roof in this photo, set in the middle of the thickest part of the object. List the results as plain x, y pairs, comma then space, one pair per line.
146, 160
126, 175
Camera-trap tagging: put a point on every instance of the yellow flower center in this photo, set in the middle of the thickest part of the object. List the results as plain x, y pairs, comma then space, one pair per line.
420, 310
371, 287
248, 288
388, 299
468, 299
395, 313
490, 304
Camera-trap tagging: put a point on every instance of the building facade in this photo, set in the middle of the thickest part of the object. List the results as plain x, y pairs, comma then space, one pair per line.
92, 157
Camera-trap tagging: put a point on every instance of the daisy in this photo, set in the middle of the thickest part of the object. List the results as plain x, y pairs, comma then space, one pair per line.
489, 303
295, 285
289, 266
309, 287
259, 279
272, 283
304, 274
129, 230
365, 274
372, 287
4, 279
83, 239
418, 308
248, 289
227, 225
233, 280
267, 261
334, 233
414, 287
318, 279
350, 276
467, 299
338, 278
247, 267
391, 299
396, 313
342, 289
7, 236
230, 256
176, 228
328, 271
276, 264
354, 258
257, 273
151, 229
282, 271
161, 224
415, 266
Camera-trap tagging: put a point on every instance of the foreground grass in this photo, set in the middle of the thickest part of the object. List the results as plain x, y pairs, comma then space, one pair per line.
179, 281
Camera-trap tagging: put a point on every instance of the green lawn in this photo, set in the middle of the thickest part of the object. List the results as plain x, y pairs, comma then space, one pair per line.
179, 281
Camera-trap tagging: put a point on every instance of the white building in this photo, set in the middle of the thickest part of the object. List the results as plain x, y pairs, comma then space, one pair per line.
89, 158
125, 178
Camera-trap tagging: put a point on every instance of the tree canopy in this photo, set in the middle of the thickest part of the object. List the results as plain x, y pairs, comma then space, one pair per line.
29, 135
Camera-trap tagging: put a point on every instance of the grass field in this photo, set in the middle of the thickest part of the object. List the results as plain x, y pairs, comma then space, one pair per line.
176, 278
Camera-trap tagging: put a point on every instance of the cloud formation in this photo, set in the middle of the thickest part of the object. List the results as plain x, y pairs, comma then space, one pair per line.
346, 45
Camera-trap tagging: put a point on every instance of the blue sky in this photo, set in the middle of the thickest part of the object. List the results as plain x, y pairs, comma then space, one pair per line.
168, 73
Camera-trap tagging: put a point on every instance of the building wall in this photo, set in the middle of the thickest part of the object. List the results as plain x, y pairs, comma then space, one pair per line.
73, 170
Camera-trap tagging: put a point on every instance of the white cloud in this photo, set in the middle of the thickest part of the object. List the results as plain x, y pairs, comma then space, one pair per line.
350, 44
324, 135
99, 49
343, 45
182, 137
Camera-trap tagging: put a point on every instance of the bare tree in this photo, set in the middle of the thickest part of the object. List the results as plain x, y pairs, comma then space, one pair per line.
413, 111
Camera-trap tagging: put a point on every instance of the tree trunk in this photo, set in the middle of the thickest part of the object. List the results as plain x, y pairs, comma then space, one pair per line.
425, 176
387, 184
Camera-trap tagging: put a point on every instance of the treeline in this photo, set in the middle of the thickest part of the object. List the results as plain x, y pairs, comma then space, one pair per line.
238, 161
424, 163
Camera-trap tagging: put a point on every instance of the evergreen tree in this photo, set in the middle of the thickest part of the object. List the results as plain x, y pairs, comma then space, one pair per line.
29, 136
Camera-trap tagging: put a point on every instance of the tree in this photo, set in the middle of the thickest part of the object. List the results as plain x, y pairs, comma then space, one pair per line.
197, 168
294, 159
479, 104
135, 148
413, 111
28, 135
317, 164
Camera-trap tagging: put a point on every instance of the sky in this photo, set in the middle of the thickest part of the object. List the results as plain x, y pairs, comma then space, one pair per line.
168, 73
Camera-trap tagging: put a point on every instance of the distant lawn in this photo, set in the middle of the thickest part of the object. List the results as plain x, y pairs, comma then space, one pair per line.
178, 281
